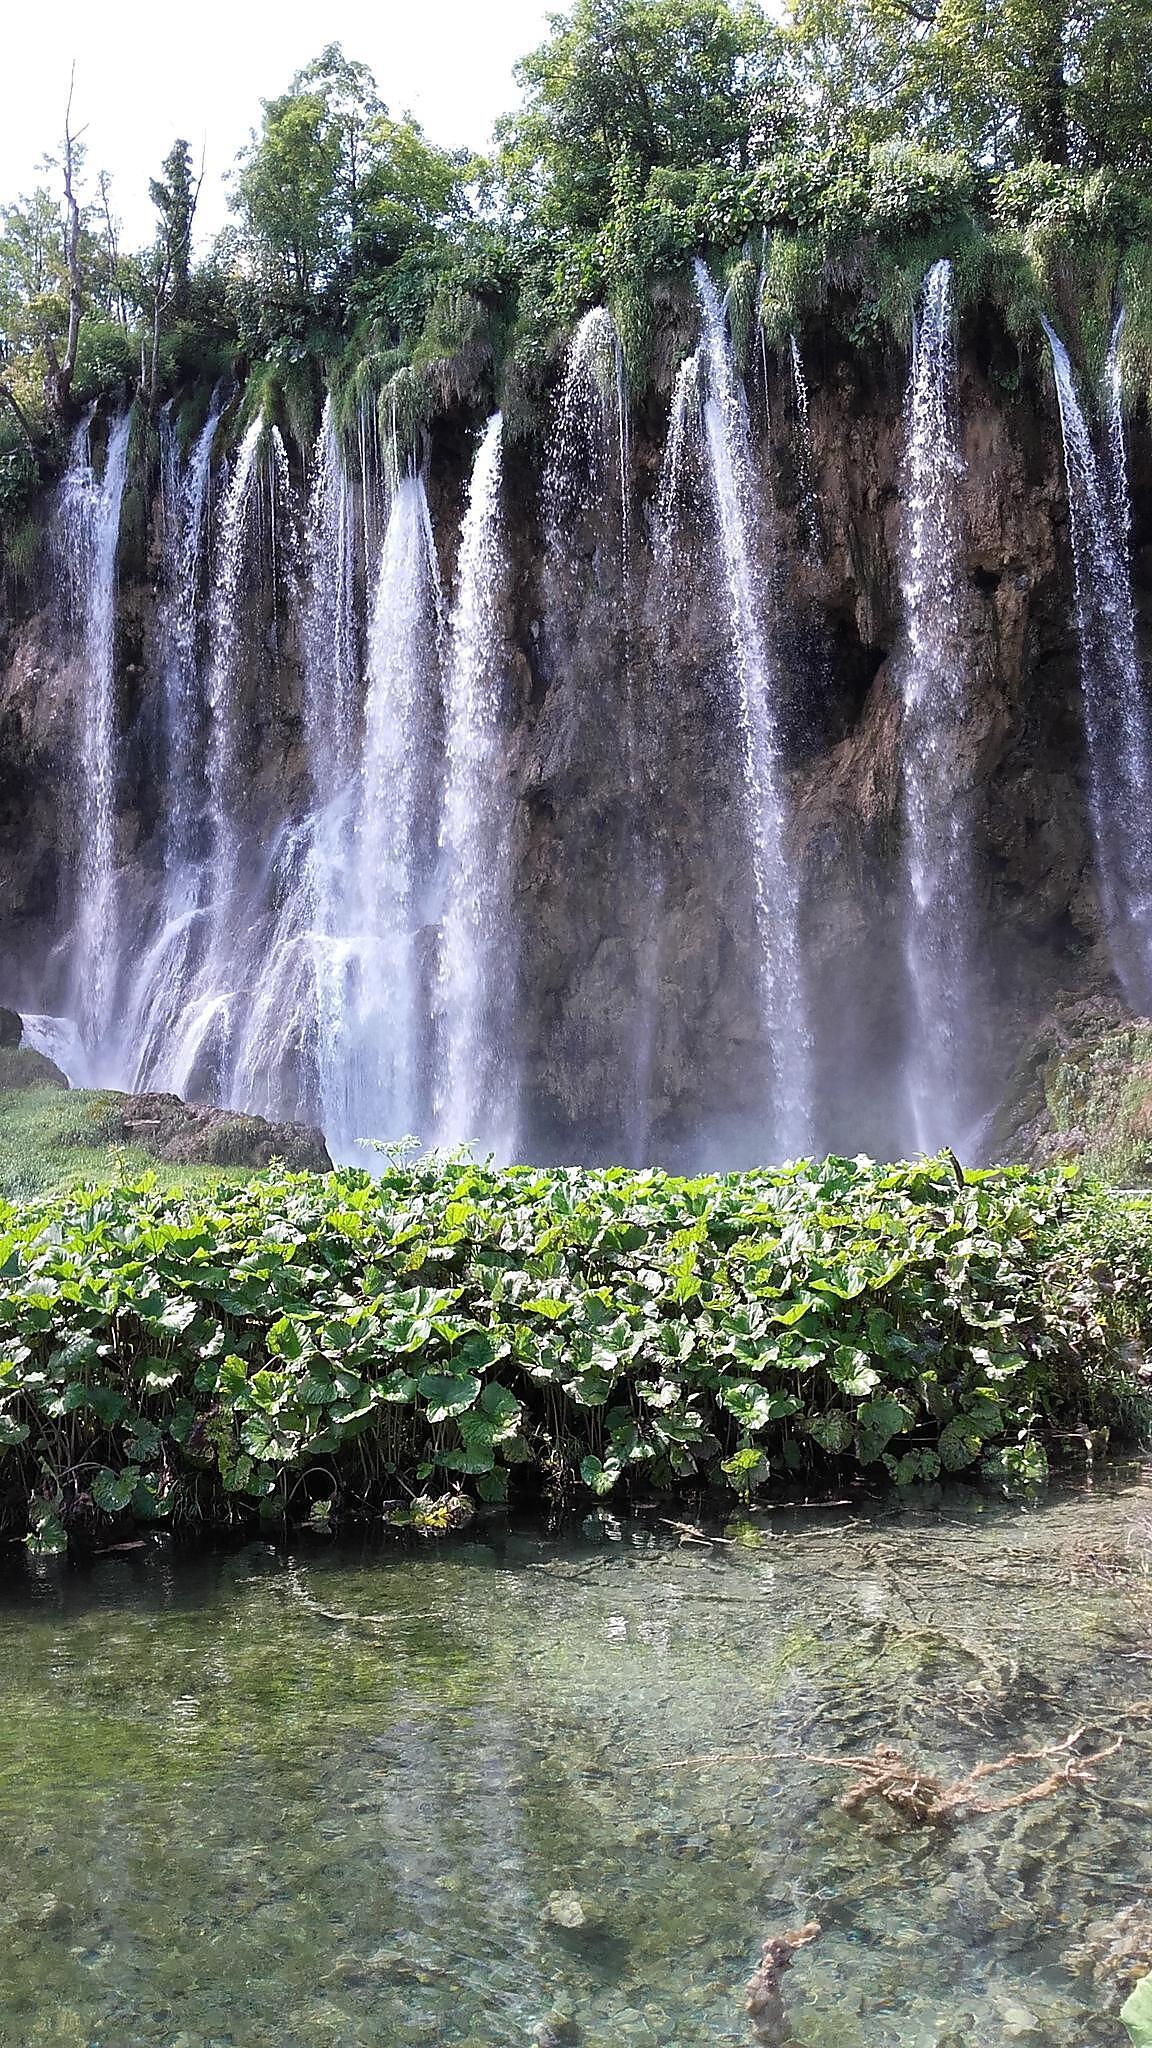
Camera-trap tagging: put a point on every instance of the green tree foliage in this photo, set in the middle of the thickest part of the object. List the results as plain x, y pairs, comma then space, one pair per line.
653, 83
334, 188
1065, 82
174, 195
838, 148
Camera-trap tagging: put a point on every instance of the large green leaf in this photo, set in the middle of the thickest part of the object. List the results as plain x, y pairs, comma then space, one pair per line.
1136, 2014
447, 1394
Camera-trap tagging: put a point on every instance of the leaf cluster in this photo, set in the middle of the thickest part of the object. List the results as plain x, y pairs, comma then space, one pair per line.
450, 1327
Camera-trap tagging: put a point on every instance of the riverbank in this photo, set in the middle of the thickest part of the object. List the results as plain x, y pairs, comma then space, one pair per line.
341, 1347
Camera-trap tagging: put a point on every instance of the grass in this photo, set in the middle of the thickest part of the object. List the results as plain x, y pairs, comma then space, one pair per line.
53, 1140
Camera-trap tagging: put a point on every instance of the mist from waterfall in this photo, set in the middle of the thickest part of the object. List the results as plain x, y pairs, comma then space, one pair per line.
1117, 714
476, 1071
86, 537
757, 681
936, 691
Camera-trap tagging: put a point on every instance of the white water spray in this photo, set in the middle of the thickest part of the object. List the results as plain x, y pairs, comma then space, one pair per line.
1117, 714
935, 689
776, 890
474, 1090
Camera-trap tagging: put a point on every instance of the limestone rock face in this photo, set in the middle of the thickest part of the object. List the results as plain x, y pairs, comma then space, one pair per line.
634, 900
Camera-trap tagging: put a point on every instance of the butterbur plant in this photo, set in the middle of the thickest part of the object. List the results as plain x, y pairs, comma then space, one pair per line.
455, 1330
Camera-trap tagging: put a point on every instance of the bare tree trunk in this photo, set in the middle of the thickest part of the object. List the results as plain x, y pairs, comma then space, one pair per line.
60, 373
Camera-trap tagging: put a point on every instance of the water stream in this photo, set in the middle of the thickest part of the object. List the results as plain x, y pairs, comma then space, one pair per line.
1117, 708
936, 688
757, 688
475, 1087
86, 536
451, 1795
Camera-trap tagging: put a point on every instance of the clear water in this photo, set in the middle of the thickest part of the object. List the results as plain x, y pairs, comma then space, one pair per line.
280, 1801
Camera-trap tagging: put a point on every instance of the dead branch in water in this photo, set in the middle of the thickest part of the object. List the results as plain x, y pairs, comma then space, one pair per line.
888, 1777
764, 2003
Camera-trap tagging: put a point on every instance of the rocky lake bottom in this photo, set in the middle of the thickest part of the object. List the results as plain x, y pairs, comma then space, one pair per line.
521, 1786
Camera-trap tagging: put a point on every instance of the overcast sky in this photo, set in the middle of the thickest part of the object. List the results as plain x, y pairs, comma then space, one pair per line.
147, 71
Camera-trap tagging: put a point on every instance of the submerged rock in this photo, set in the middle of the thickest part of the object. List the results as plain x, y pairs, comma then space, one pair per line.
572, 1914
557, 2031
192, 1134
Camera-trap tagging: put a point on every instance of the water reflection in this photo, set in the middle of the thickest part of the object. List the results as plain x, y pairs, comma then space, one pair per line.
438, 1797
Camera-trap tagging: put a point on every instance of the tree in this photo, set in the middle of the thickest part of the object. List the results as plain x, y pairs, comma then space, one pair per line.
162, 277
62, 369
654, 83
299, 191
1065, 82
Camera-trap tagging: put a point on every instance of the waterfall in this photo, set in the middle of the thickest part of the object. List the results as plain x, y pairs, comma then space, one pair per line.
185, 537
477, 958
214, 950
1117, 716
159, 979
332, 669
330, 635
227, 614
934, 685
810, 534
588, 465
383, 1067
733, 487
87, 537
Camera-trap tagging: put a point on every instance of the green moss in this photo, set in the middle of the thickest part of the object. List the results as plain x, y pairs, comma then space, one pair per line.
1100, 1095
1081, 1093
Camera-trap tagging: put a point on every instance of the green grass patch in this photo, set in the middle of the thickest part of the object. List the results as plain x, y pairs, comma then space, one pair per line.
55, 1139
338, 1345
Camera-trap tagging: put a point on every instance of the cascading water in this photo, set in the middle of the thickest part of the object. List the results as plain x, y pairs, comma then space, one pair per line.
810, 534
474, 1094
87, 536
224, 894
387, 1071
185, 541
935, 690
1117, 713
604, 739
332, 724
222, 683
159, 979
588, 468
733, 487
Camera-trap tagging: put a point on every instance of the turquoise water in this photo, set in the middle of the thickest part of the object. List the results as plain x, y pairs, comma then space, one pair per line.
353, 1796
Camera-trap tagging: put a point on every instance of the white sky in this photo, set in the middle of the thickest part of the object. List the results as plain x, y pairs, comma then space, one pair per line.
148, 71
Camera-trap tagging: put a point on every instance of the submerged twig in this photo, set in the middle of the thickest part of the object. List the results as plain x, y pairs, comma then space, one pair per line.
915, 1794
764, 2003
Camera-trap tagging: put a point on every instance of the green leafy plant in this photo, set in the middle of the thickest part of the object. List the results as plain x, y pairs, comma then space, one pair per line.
486, 1333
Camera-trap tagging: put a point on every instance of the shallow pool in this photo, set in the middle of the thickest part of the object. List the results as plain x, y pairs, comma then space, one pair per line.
517, 1784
